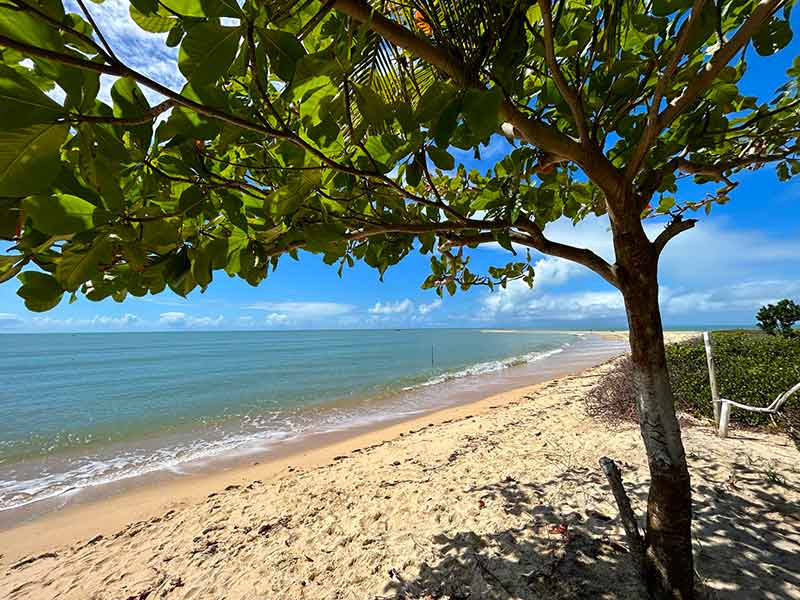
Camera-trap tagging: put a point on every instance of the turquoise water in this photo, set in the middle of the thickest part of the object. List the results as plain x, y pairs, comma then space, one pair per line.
84, 409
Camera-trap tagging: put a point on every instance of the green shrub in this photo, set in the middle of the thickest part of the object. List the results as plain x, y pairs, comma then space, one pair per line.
752, 368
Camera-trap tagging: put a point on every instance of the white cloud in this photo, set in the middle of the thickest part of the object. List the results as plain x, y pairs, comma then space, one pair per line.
744, 298
549, 272
9, 320
712, 250
304, 311
144, 51
97, 322
696, 272
425, 309
276, 319
519, 301
181, 320
392, 308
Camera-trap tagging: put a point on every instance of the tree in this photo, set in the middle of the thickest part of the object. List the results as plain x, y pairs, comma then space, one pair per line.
330, 126
778, 319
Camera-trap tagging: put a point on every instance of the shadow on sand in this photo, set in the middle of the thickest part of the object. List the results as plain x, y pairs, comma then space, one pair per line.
747, 542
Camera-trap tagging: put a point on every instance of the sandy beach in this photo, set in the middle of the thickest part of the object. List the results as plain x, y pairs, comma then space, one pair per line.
500, 498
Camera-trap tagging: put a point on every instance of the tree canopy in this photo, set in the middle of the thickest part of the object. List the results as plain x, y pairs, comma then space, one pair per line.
321, 126
779, 318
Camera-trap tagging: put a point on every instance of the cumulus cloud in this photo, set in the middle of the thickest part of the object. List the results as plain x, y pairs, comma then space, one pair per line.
425, 309
392, 308
276, 319
520, 302
516, 297
744, 298
696, 272
180, 320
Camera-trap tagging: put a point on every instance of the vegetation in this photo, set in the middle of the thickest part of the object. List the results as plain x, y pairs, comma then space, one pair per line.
778, 319
334, 126
752, 368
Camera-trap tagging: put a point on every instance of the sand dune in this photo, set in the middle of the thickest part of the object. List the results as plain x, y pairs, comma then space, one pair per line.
504, 499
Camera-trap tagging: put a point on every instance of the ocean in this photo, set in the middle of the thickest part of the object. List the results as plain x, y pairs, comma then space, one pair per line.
83, 410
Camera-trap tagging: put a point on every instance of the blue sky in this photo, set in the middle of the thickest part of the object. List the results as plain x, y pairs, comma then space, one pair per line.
742, 256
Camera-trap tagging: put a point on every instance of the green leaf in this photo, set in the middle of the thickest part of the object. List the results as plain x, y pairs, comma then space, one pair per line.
28, 28
59, 214
444, 127
161, 235
207, 52
154, 23
481, 111
370, 105
10, 266
129, 102
662, 8
773, 36
284, 52
413, 173
441, 158
312, 74
76, 268
40, 291
187, 8
22, 103
29, 158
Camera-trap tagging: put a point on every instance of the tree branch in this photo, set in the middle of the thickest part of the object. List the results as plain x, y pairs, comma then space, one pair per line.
99, 33
700, 83
651, 127
537, 240
121, 70
676, 226
570, 96
146, 117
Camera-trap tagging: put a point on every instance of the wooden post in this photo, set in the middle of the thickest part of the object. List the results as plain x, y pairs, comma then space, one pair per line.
724, 415
626, 514
712, 377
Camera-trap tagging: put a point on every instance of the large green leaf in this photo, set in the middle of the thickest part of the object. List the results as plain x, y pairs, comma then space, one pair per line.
284, 52
160, 22
441, 158
129, 102
481, 109
76, 268
207, 52
40, 291
22, 103
773, 36
59, 214
26, 27
29, 158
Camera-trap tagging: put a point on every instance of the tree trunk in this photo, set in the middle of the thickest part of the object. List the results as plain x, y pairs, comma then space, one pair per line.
668, 565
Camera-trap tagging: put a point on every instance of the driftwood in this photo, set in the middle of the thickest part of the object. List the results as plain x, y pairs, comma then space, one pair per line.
627, 516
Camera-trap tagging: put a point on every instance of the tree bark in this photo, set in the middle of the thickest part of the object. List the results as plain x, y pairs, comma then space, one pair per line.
668, 565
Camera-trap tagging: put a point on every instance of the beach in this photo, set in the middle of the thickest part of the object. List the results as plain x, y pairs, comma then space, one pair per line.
498, 498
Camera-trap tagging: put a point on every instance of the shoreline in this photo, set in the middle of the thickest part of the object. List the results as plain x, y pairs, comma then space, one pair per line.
186, 444
103, 517
103, 509
503, 497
